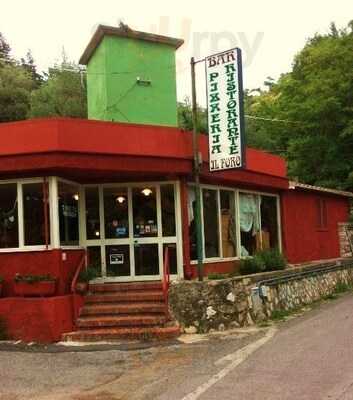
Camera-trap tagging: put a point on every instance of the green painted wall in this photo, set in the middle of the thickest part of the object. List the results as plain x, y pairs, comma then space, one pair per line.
113, 92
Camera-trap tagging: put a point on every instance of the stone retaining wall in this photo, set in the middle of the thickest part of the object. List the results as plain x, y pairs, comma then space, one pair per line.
235, 302
345, 233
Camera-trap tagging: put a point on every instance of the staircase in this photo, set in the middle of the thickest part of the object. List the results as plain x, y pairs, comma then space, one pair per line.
123, 311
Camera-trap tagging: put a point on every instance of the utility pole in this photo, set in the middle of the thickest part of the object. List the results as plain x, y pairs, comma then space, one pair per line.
197, 165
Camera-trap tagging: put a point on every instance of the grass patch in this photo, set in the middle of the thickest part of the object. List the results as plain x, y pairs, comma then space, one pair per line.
280, 315
342, 287
264, 324
331, 296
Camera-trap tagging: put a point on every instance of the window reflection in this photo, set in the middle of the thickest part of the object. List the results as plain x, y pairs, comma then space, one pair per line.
168, 210
116, 214
145, 212
68, 213
92, 213
210, 222
228, 229
33, 214
8, 216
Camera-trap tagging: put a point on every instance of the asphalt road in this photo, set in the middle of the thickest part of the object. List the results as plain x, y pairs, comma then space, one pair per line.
309, 357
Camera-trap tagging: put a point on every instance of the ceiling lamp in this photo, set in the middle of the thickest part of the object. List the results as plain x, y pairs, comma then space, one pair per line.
76, 196
120, 199
146, 191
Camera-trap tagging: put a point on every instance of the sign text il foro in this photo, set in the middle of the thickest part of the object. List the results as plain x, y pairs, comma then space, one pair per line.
225, 110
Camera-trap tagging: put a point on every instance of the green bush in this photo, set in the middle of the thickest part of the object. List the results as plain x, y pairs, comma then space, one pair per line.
251, 265
88, 274
273, 259
263, 261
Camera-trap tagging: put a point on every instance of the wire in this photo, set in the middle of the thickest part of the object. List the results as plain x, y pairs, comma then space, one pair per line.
272, 119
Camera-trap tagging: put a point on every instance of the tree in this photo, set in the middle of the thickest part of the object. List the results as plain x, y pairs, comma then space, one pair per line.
185, 117
5, 50
29, 65
15, 89
315, 105
63, 93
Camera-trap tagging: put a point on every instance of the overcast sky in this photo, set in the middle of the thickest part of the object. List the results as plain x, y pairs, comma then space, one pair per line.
269, 32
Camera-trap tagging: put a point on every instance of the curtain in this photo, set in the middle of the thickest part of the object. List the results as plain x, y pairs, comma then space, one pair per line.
249, 216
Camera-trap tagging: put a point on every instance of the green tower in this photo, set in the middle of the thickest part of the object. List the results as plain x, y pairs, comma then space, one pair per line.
131, 76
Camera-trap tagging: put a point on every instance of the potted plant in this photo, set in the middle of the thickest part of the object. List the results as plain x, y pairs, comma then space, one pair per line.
1, 282
85, 276
34, 285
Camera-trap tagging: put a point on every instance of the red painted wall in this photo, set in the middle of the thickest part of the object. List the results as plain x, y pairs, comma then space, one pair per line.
40, 263
302, 241
41, 320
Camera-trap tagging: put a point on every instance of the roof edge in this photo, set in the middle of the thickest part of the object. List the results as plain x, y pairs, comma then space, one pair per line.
305, 186
124, 31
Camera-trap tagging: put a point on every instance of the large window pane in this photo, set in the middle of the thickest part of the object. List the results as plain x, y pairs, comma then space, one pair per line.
118, 260
249, 223
210, 221
269, 222
8, 216
116, 216
92, 213
145, 212
168, 210
33, 214
68, 214
172, 254
94, 258
229, 240
146, 259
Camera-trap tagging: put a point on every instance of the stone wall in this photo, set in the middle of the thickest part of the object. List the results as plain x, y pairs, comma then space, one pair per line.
345, 233
235, 302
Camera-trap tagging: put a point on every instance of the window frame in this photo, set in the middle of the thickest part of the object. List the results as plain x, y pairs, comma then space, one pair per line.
236, 192
20, 214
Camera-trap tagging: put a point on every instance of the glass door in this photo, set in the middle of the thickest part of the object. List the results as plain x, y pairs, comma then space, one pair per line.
127, 228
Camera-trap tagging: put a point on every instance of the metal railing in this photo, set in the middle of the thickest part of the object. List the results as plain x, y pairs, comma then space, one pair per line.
82, 263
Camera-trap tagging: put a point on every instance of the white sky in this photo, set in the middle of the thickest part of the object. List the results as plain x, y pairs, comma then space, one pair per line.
269, 32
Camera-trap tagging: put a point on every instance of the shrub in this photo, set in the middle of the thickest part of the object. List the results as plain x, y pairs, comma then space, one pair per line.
263, 261
34, 278
88, 274
273, 259
251, 265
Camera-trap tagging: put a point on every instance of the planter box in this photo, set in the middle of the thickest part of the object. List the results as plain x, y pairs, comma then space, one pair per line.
35, 289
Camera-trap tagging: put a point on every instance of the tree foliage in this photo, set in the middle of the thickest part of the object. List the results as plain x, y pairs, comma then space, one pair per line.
62, 94
315, 105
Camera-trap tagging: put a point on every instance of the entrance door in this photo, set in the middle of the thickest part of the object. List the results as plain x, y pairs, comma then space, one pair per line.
127, 228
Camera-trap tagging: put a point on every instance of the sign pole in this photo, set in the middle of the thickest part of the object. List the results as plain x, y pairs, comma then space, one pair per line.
197, 164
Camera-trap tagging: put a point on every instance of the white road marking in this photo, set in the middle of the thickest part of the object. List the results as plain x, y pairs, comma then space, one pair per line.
235, 358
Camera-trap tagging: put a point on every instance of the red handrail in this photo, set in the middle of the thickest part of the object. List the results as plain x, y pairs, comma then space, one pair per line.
166, 280
83, 262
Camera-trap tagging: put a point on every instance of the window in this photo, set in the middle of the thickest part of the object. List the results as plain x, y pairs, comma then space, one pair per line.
249, 224
228, 226
8, 216
210, 222
92, 213
168, 210
116, 214
68, 213
321, 210
144, 212
33, 214
256, 229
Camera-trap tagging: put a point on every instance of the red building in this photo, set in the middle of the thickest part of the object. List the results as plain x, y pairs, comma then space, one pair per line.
123, 192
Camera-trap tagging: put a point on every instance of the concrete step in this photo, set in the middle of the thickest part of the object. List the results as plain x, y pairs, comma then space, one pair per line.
115, 334
122, 308
125, 296
136, 320
123, 287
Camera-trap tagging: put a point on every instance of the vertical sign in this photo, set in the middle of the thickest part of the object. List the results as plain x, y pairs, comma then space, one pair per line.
225, 110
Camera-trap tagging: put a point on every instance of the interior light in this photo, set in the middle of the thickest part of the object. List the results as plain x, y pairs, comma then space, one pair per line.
120, 199
146, 191
97, 233
75, 197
